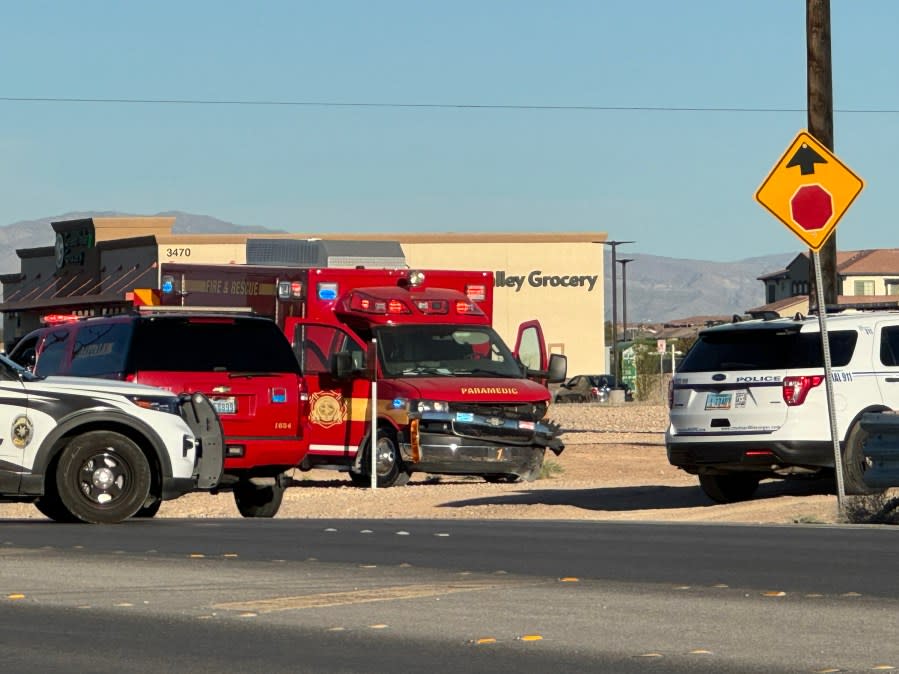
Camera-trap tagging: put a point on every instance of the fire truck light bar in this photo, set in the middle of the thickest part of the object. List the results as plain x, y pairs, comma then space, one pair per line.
432, 306
468, 308
56, 319
371, 305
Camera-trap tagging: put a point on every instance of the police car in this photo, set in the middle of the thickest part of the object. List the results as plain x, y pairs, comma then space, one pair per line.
749, 400
99, 451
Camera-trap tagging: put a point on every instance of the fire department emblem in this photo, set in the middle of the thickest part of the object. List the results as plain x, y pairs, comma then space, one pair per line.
328, 408
22, 431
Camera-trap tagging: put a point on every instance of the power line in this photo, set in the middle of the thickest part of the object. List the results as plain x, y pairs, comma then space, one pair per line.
436, 106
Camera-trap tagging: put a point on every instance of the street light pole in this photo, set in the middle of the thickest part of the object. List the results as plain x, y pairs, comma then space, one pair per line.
614, 245
623, 264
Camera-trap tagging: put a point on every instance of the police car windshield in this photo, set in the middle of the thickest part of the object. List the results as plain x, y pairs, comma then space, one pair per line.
10, 371
444, 350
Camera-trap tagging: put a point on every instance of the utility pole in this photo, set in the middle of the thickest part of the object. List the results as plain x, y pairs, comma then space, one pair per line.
820, 125
623, 264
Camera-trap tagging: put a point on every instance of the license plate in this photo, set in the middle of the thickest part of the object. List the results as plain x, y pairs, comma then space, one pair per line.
717, 401
225, 405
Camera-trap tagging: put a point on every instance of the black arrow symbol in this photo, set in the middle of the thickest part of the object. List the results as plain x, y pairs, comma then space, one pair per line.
806, 158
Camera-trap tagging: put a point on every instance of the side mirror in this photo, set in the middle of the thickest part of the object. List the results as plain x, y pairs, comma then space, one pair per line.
558, 368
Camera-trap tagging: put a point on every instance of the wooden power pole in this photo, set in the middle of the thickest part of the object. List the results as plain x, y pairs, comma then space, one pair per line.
820, 125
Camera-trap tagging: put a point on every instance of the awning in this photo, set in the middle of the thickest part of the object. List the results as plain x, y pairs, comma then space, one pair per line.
79, 289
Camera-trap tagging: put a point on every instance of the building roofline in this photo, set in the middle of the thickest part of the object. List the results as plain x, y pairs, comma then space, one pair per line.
402, 237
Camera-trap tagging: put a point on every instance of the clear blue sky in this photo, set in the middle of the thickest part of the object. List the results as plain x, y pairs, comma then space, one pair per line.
680, 183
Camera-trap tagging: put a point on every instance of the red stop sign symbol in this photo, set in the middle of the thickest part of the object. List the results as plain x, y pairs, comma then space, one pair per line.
811, 207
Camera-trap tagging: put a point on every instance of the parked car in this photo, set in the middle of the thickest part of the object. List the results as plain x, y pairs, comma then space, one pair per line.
585, 388
749, 400
242, 363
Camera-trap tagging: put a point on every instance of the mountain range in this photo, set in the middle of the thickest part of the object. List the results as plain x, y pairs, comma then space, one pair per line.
658, 288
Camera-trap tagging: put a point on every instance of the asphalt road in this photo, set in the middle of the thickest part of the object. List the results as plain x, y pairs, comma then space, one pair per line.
445, 596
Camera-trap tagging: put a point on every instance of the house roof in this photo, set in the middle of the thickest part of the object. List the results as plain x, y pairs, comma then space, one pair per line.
878, 262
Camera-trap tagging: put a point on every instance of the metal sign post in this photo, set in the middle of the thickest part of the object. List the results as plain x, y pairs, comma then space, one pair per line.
809, 190
828, 381
373, 369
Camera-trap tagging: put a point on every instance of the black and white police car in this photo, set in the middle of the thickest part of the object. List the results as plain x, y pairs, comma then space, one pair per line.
101, 451
749, 400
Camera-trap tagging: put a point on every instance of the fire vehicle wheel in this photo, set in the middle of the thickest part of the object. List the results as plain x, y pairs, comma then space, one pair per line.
255, 500
391, 470
854, 464
729, 488
102, 477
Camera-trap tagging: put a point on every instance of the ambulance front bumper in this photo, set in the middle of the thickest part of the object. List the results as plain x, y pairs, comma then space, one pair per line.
464, 456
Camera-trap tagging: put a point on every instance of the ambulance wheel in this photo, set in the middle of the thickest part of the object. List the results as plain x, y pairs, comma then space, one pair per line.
854, 465
729, 488
102, 477
255, 500
391, 470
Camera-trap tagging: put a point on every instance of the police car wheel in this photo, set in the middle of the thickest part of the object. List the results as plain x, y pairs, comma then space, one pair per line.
102, 477
254, 500
853, 460
729, 488
150, 508
50, 506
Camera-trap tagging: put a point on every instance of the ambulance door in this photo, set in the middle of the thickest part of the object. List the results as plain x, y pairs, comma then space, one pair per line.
530, 347
339, 407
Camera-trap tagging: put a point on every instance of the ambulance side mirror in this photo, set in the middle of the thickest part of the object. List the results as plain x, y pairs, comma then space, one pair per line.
556, 371
558, 368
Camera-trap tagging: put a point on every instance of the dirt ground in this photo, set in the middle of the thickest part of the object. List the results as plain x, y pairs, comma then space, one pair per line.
614, 467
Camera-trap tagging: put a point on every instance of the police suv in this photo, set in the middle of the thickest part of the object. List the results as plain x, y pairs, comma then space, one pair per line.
749, 400
99, 451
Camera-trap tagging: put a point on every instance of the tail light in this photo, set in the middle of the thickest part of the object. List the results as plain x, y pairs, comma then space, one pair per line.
670, 393
594, 392
795, 389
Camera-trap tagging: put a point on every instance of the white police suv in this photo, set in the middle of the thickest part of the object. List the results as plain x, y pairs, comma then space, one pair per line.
101, 451
749, 400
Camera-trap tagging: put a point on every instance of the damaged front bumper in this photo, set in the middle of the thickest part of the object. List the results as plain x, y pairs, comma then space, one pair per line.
200, 415
477, 444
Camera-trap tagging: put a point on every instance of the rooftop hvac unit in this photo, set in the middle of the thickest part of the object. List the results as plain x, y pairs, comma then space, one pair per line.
325, 253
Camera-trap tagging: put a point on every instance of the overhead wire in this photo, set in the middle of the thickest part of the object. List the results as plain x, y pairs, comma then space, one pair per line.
441, 106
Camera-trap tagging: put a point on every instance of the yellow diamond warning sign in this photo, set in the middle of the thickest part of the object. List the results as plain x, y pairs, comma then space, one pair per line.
809, 190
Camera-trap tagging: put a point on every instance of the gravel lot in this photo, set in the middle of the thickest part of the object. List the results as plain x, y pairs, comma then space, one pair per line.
614, 467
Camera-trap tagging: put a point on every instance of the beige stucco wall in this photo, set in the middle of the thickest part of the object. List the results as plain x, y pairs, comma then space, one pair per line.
572, 317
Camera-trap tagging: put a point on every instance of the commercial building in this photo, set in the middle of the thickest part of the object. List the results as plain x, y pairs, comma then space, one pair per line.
96, 263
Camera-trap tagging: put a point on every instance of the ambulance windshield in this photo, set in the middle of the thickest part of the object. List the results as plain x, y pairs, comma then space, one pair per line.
444, 350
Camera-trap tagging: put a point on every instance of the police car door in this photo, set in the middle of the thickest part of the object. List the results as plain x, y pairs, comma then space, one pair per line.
16, 429
886, 363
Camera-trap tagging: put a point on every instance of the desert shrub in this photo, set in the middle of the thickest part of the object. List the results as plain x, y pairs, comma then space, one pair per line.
550, 469
871, 509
